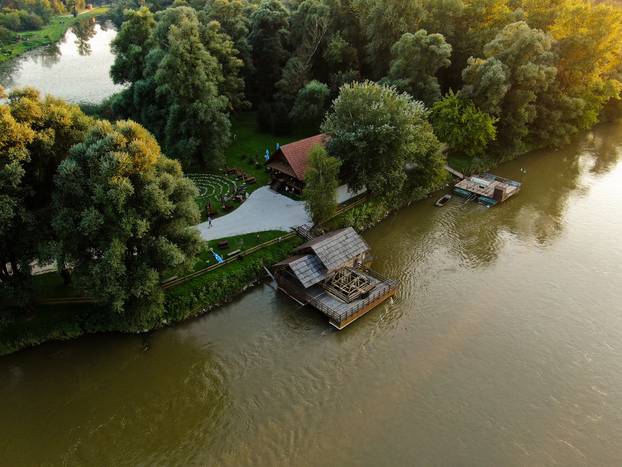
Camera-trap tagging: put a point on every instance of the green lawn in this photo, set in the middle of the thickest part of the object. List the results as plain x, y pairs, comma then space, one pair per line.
50, 285
249, 144
49, 34
239, 242
247, 153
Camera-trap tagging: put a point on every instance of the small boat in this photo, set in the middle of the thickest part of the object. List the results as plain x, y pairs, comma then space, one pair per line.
442, 201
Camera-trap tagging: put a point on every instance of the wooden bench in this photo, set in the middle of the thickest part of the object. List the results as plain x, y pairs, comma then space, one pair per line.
250, 180
223, 245
234, 253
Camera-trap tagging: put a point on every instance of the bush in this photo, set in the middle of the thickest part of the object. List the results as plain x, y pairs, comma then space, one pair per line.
7, 36
20, 20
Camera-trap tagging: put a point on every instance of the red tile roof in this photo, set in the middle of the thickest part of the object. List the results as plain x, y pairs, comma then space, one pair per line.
297, 153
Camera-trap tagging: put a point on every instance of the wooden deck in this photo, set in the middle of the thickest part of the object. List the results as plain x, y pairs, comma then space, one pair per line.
340, 313
490, 187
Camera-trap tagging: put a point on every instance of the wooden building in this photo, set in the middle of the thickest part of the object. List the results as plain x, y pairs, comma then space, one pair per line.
288, 164
329, 273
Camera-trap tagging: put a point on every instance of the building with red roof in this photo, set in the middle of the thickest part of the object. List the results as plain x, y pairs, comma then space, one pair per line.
288, 164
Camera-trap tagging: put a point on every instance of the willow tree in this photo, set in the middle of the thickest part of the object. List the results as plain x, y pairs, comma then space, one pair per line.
417, 58
37, 134
122, 215
380, 136
518, 66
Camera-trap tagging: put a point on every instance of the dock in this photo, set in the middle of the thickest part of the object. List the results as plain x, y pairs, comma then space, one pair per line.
328, 273
487, 189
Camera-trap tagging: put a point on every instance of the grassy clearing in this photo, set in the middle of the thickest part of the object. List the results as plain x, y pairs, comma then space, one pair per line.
49, 34
247, 152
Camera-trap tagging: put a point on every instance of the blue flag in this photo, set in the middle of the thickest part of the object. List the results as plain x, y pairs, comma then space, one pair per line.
217, 257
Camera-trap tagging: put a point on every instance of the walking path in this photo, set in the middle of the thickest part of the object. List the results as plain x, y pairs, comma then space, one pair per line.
263, 210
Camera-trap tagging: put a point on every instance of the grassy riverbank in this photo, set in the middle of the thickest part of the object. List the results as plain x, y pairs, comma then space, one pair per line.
20, 329
49, 34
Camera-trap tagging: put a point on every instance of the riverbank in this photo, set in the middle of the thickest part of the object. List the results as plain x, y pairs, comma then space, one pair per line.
20, 329
49, 34
194, 297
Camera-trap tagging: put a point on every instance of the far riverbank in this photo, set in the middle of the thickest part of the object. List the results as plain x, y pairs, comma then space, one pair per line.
47, 35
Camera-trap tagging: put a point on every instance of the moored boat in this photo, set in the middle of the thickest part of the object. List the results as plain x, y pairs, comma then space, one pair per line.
442, 201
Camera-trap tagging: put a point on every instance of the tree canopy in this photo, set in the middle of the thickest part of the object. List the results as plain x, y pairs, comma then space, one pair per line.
417, 58
377, 134
122, 217
321, 183
465, 129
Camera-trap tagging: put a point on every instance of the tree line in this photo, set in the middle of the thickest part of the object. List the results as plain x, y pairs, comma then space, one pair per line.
98, 198
498, 77
392, 82
29, 15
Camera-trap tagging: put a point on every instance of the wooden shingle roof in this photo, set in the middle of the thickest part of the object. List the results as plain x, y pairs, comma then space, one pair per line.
308, 269
336, 248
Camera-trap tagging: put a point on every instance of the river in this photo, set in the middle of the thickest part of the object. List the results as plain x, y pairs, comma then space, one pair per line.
503, 348
76, 68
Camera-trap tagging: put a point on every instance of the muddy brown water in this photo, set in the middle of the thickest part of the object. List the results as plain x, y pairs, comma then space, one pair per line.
503, 348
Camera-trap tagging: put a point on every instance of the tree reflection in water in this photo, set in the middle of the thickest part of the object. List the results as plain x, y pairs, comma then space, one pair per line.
84, 31
474, 235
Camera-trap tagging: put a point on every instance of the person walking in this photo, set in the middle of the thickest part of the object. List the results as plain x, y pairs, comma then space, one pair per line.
209, 221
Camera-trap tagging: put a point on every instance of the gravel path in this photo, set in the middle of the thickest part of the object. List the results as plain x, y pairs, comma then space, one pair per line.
263, 210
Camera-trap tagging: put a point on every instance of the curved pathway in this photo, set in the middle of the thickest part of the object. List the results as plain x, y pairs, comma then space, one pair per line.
263, 210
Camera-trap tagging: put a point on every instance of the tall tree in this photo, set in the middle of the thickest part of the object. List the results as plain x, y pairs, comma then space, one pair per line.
309, 24
123, 216
384, 22
235, 22
269, 40
465, 129
378, 134
416, 60
517, 68
181, 93
37, 135
221, 47
321, 183
131, 46
197, 126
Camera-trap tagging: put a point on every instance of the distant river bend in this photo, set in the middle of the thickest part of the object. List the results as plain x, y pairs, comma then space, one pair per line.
77, 68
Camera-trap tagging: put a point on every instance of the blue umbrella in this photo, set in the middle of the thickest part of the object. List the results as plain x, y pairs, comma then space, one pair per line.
267, 154
217, 257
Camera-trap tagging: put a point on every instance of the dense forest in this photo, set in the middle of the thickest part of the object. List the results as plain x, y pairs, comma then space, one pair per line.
29, 15
398, 85
498, 76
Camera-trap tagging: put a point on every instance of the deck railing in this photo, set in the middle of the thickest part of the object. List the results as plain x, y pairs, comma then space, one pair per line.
342, 311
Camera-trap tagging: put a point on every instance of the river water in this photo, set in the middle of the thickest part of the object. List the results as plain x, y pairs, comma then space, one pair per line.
503, 348
76, 68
